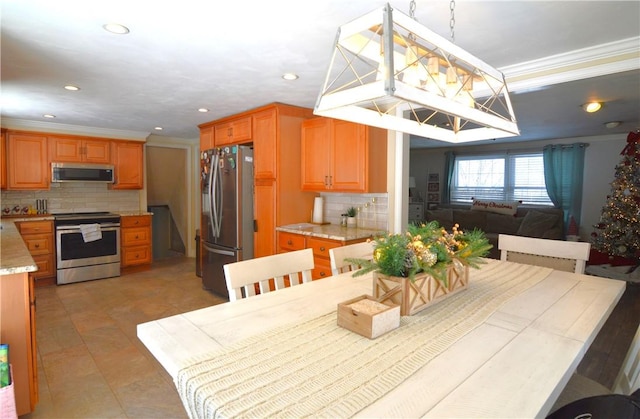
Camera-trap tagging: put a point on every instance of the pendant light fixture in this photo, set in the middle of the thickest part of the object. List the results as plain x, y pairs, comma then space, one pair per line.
390, 72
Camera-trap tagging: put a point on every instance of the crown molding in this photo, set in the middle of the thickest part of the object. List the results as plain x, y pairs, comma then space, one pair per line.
52, 127
599, 60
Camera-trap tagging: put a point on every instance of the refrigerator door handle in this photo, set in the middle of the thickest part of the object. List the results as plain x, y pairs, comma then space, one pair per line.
215, 195
219, 251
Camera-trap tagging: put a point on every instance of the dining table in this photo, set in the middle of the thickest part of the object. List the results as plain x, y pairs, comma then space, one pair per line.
504, 347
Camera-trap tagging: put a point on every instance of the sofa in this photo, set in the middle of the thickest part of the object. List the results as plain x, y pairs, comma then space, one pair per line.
545, 223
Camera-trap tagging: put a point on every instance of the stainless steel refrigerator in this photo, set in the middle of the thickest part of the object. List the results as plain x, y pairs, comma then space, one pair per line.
227, 212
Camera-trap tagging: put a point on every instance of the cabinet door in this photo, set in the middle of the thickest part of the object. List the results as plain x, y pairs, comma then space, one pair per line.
264, 240
96, 151
233, 132
349, 157
315, 155
3, 160
206, 138
27, 163
264, 144
127, 159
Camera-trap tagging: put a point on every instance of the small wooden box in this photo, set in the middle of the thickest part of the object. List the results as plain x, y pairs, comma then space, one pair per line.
367, 317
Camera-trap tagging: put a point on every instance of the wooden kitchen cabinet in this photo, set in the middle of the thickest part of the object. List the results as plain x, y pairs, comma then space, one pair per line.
341, 156
3, 158
234, 131
128, 164
27, 161
39, 238
288, 242
206, 138
18, 329
135, 240
275, 136
69, 149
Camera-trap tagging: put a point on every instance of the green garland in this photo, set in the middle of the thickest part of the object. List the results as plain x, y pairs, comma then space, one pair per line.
425, 248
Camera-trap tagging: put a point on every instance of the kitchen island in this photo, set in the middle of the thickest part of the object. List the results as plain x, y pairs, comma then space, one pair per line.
17, 315
321, 238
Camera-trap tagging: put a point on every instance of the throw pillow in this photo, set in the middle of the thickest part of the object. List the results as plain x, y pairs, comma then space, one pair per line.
536, 223
499, 207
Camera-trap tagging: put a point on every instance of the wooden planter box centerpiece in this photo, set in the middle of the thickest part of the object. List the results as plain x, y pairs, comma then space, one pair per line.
368, 317
423, 265
417, 294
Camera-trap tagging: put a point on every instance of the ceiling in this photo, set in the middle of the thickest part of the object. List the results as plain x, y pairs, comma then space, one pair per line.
229, 57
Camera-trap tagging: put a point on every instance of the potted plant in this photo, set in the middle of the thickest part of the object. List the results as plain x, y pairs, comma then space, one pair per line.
351, 217
426, 263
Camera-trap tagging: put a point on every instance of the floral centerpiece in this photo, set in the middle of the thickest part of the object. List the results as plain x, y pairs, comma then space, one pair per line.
406, 265
426, 248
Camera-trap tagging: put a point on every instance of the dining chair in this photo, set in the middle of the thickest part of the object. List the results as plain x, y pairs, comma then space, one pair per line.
627, 382
242, 277
337, 255
557, 254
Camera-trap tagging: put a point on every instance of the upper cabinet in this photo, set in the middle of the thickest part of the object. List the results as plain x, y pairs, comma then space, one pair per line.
274, 131
27, 162
127, 158
206, 138
66, 149
232, 132
340, 156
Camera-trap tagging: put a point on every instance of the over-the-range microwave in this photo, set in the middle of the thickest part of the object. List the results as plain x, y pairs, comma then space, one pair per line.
79, 172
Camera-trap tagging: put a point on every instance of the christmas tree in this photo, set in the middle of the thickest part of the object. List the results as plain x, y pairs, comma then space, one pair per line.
618, 232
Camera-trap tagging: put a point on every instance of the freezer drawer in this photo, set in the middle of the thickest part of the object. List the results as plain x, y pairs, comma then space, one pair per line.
213, 259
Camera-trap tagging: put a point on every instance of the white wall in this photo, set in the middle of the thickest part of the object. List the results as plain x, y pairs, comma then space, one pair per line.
601, 157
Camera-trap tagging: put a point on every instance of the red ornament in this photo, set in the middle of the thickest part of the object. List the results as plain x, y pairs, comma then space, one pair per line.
632, 149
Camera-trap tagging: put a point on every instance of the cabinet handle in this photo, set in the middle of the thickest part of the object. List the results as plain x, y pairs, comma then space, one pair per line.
137, 236
330, 180
326, 181
322, 273
322, 248
289, 242
37, 246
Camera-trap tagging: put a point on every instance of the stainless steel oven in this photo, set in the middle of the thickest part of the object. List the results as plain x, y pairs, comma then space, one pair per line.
81, 256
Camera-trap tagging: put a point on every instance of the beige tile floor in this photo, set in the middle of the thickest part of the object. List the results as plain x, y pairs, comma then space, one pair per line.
90, 362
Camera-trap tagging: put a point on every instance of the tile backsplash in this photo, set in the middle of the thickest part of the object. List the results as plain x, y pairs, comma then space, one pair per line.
372, 208
76, 197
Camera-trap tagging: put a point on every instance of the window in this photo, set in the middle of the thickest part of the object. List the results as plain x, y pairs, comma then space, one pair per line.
510, 177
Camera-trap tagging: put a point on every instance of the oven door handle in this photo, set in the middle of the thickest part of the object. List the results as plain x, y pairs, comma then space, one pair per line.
76, 228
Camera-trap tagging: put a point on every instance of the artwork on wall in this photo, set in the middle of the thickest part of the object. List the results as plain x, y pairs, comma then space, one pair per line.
433, 190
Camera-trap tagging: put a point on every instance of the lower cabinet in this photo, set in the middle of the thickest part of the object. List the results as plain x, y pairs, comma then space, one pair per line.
291, 241
18, 329
39, 238
135, 240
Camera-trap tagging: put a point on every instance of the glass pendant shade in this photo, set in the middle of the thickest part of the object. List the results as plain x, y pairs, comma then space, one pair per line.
390, 72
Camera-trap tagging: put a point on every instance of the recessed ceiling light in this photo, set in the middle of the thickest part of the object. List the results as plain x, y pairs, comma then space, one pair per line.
116, 28
71, 87
592, 107
158, 128
203, 110
612, 124
290, 76
48, 115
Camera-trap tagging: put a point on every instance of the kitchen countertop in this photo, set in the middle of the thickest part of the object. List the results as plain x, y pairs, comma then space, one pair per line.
132, 213
15, 258
27, 217
329, 231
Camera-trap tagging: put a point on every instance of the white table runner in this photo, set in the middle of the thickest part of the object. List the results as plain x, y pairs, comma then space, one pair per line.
315, 368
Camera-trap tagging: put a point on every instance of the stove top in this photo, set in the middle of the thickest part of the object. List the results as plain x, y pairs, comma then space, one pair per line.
85, 217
